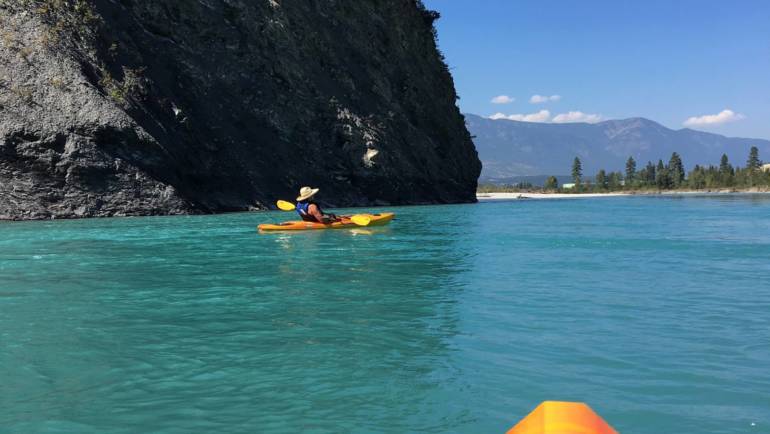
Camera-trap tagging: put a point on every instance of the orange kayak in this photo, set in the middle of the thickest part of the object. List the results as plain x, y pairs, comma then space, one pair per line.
376, 220
556, 417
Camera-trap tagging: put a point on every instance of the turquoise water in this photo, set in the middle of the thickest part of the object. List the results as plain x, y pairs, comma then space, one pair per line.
655, 311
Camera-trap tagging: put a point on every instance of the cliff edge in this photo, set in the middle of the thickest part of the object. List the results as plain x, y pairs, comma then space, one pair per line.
142, 107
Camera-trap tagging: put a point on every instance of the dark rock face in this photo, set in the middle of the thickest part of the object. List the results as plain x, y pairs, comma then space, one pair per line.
139, 107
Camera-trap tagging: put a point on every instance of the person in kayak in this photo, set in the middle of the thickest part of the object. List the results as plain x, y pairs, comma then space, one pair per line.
310, 211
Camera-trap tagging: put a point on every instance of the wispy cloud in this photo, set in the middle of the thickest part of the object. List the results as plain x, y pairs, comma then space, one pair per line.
722, 117
502, 99
576, 116
544, 116
541, 116
540, 99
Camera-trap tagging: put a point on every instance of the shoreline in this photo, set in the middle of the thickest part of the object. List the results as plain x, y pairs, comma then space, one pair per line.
481, 197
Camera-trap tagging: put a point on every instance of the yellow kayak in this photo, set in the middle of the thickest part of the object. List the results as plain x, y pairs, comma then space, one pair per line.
345, 223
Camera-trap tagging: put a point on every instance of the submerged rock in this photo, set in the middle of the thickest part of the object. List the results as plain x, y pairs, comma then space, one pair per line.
162, 107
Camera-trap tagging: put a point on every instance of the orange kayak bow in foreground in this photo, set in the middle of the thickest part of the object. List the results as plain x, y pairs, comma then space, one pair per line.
345, 223
555, 417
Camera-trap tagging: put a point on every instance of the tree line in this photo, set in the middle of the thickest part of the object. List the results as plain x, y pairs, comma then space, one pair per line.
670, 176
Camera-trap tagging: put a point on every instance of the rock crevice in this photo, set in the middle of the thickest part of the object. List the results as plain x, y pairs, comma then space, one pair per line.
158, 107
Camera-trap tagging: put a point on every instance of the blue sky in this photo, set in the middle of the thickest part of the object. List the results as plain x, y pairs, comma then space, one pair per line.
669, 61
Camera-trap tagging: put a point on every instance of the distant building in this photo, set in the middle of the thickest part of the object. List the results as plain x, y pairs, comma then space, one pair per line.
568, 186
765, 167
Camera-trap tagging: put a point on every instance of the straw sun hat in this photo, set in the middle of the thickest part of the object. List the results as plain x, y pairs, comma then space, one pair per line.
306, 193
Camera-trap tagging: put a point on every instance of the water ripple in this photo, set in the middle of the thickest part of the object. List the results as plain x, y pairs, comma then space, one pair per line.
655, 311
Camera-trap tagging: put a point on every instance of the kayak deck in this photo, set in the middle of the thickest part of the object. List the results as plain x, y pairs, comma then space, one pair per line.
376, 220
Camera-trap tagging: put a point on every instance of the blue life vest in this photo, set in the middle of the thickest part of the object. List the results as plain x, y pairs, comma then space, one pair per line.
303, 209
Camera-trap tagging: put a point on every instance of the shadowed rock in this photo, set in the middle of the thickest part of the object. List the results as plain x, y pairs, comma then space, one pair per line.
160, 107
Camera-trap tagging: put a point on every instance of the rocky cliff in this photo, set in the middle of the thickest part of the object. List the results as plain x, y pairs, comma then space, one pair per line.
136, 107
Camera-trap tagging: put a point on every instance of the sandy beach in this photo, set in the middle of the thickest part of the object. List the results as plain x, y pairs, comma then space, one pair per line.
510, 196
513, 196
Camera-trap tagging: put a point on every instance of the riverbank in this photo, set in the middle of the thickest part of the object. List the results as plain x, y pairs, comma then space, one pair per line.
510, 196
544, 195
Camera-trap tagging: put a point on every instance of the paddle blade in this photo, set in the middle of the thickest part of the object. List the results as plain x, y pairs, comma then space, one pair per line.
361, 219
285, 206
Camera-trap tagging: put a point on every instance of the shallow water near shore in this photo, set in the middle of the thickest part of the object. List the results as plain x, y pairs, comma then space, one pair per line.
653, 310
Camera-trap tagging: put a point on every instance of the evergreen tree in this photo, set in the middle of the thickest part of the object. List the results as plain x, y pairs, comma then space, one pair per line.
641, 176
630, 170
577, 171
551, 183
676, 170
753, 162
697, 178
650, 173
724, 165
726, 172
662, 178
614, 181
712, 178
601, 180
671, 175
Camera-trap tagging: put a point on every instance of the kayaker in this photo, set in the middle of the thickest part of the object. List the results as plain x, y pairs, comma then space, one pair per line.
310, 211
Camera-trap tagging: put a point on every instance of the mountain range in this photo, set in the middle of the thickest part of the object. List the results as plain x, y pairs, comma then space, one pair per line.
514, 150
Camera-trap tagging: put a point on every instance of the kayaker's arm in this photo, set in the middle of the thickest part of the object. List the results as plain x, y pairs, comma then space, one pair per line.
315, 211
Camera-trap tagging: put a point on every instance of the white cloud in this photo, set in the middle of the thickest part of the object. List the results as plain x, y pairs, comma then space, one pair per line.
540, 99
722, 117
541, 116
502, 99
544, 116
576, 116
